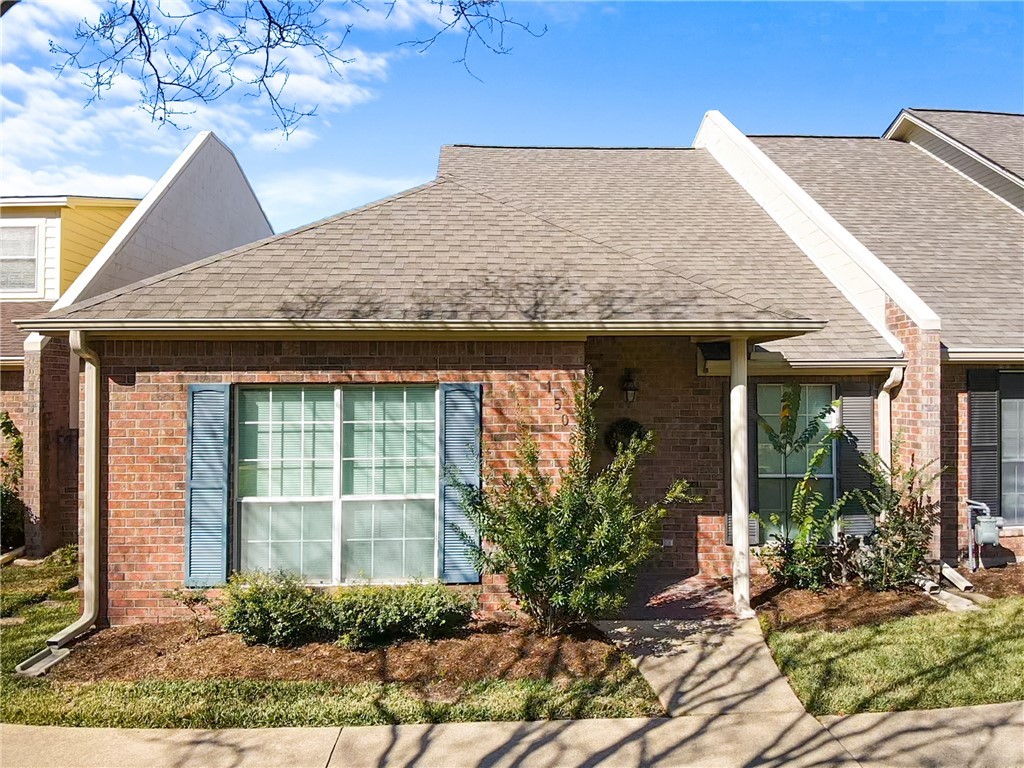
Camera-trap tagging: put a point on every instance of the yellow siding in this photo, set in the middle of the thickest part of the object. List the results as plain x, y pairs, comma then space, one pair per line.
84, 230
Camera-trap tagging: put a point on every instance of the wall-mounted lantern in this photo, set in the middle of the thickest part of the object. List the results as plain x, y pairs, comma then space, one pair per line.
628, 385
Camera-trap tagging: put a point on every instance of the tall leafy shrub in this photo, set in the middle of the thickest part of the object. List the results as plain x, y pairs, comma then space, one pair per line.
569, 547
12, 509
905, 515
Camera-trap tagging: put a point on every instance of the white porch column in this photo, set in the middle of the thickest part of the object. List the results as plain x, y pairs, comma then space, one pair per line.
740, 475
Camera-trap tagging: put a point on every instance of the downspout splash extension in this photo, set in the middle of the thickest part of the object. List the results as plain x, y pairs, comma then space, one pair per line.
56, 647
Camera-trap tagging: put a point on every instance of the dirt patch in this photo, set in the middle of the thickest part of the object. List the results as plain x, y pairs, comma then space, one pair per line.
486, 651
1001, 581
835, 610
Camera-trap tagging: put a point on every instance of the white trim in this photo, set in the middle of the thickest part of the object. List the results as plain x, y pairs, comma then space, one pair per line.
39, 225
175, 326
12, 362
984, 354
907, 117
768, 185
40, 201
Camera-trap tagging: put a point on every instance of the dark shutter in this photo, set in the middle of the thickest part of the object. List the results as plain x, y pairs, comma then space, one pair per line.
857, 415
753, 526
983, 428
206, 483
460, 453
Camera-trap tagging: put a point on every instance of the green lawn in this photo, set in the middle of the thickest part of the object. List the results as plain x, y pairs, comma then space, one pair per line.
261, 703
22, 585
922, 662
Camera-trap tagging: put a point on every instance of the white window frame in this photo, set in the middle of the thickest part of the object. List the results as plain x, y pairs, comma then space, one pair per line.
40, 256
831, 422
1016, 523
337, 499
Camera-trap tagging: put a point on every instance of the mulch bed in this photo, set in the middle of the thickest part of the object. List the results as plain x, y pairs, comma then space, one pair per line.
487, 651
835, 610
1000, 581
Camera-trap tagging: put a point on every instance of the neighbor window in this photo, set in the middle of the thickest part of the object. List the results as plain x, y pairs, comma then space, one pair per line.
19, 259
1012, 451
777, 476
338, 484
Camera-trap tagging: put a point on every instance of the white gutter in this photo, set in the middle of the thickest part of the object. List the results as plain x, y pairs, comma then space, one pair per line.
175, 326
55, 646
985, 355
885, 414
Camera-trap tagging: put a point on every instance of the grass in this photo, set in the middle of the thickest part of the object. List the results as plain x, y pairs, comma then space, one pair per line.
267, 703
23, 585
921, 662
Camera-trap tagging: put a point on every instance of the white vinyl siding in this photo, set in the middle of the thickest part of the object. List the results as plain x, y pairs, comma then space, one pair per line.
338, 484
777, 478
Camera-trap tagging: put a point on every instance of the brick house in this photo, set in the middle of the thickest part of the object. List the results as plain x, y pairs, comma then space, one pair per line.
291, 403
59, 250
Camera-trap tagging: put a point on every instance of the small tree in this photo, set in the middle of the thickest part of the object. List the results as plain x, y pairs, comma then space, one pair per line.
905, 517
12, 467
570, 550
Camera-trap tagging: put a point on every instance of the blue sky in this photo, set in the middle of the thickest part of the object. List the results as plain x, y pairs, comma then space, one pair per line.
623, 74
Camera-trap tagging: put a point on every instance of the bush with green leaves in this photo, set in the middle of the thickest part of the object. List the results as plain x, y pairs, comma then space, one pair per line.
804, 554
12, 509
377, 615
570, 549
905, 517
275, 609
278, 609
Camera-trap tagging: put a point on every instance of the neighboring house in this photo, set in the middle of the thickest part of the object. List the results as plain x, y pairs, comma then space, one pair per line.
59, 250
293, 403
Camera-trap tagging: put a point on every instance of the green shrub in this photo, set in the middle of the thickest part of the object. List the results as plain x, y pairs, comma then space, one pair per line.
570, 550
375, 615
274, 609
277, 609
12, 519
905, 517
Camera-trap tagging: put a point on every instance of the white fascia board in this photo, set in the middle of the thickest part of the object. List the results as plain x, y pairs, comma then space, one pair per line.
12, 362
55, 201
841, 257
198, 327
985, 355
904, 118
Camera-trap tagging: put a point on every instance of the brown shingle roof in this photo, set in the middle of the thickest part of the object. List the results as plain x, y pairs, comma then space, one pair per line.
528, 234
958, 247
998, 136
12, 338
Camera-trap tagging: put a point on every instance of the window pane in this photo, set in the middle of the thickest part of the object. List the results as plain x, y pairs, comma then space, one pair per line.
17, 275
419, 404
389, 520
357, 478
389, 405
286, 405
422, 441
387, 559
293, 537
18, 242
254, 404
389, 539
357, 404
357, 441
419, 559
391, 478
319, 405
1012, 457
421, 478
355, 562
419, 519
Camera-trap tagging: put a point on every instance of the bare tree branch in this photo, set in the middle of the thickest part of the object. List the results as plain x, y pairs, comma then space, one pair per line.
183, 53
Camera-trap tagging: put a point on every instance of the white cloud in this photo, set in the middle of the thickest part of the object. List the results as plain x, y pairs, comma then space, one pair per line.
71, 180
400, 14
301, 196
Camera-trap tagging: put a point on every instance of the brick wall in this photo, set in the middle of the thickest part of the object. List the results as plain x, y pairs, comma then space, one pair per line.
956, 459
144, 401
916, 407
49, 487
12, 395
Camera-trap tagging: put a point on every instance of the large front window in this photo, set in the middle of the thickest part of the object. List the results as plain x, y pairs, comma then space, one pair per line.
338, 484
778, 475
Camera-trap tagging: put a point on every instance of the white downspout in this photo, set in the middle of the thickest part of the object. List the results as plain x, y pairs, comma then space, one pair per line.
90, 550
885, 414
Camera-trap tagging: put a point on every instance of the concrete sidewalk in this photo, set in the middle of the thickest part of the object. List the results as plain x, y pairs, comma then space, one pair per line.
982, 737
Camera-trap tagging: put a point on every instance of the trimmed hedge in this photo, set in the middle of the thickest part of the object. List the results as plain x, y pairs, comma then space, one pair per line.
277, 609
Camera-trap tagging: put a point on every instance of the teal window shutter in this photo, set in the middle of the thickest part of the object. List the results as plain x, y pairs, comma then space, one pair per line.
460, 453
858, 420
206, 483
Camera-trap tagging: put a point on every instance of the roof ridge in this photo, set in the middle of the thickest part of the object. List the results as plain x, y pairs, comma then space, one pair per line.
216, 257
613, 249
805, 136
598, 148
966, 111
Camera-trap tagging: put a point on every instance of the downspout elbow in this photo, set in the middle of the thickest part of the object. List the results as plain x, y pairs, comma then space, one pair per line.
894, 381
